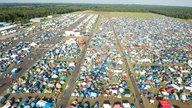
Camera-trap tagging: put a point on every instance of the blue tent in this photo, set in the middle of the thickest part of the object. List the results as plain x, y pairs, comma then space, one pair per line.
33, 103
49, 104
14, 71
190, 97
132, 106
171, 97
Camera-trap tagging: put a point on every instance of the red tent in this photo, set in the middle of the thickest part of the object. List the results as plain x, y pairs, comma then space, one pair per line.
165, 103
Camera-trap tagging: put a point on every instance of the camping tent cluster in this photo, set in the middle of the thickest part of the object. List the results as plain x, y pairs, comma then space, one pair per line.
28, 102
102, 73
105, 104
71, 21
4, 44
171, 81
51, 72
68, 50
161, 51
24, 48
82, 24
86, 24
51, 28
16, 54
155, 40
90, 24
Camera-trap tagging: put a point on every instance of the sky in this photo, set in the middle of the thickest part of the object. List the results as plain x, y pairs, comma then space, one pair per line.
187, 3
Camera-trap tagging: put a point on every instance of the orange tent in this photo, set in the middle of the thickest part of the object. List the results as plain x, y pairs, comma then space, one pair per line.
80, 40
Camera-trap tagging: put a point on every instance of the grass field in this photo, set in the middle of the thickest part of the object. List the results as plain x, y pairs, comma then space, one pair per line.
128, 14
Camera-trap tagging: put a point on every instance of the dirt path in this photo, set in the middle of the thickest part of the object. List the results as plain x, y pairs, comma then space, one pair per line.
137, 93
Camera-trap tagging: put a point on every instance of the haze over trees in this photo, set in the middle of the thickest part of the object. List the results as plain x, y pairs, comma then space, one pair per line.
23, 12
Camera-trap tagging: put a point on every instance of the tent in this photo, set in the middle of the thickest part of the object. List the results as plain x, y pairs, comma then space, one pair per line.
2, 99
171, 97
33, 44
126, 105
117, 106
8, 105
106, 106
165, 103
14, 71
44, 104
93, 95
80, 40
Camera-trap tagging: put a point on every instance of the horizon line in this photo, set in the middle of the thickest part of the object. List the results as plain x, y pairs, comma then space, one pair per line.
91, 3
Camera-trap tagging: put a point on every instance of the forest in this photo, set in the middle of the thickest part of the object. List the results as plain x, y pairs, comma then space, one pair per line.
21, 13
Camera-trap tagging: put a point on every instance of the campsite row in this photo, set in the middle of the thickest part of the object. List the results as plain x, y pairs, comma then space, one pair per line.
16, 54
27, 102
160, 51
84, 28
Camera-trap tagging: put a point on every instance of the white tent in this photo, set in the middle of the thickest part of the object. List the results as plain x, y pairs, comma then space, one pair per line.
184, 71
25, 49
93, 95
72, 64
171, 69
54, 76
145, 60
176, 87
118, 71
106, 106
190, 63
126, 105
14, 56
188, 88
41, 103
8, 105
33, 44
165, 93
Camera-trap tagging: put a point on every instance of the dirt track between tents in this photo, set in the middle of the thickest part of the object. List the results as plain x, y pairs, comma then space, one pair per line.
67, 93
137, 93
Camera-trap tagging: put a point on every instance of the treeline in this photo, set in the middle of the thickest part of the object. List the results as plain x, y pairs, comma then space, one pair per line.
23, 12
171, 11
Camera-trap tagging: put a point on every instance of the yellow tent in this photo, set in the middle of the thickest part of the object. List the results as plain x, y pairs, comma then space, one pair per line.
20, 79
38, 70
